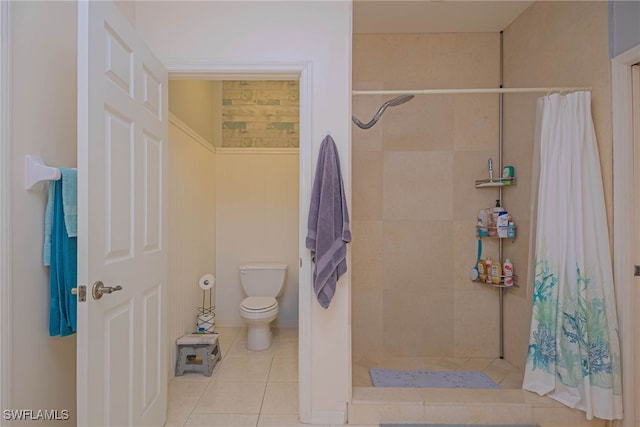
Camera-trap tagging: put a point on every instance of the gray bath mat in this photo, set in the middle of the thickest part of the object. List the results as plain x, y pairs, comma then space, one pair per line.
430, 379
459, 425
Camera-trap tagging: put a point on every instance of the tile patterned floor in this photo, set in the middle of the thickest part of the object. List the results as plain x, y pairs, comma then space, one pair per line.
247, 388
258, 389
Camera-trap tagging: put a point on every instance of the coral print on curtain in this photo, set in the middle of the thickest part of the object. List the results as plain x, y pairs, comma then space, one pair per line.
574, 350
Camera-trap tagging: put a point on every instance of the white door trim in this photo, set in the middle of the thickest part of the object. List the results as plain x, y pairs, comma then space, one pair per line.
5, 211
623, 244
288, 71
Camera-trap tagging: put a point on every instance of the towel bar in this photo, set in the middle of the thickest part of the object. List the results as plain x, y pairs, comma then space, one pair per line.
36, 171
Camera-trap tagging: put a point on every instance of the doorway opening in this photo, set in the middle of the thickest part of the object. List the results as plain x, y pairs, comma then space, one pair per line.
235, 170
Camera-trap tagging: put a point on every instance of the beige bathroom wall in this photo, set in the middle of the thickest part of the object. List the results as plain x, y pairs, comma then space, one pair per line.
43, 122
414, 198
192, 233
198, 104
550, 44
256, 221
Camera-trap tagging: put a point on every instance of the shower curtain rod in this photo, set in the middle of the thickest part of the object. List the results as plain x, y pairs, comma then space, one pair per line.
481, 90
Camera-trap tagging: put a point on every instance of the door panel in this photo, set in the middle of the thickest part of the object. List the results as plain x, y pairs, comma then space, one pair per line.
119, 146
122, 216
152, 194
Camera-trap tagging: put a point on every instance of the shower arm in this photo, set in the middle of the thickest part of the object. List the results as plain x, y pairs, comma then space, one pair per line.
373, 121
391, 103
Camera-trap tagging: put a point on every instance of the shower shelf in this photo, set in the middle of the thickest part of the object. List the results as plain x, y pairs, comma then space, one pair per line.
501, 284
493, 230
500, 182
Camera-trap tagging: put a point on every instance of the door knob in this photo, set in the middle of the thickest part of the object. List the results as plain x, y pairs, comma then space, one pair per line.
100, 289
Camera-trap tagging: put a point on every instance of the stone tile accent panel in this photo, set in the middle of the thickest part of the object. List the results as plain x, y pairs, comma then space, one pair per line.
260, 113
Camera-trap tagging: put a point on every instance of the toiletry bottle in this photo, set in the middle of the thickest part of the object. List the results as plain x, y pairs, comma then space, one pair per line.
508, 272
488, 269
491, 223
511, 230
496, 272
483, 218
503, 224
495, 213
507, 175
482, 271
490, 164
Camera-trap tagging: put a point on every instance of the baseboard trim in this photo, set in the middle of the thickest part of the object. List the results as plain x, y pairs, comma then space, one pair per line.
286, 324
329, 417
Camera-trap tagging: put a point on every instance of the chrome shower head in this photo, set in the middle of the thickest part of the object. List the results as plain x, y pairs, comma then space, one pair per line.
390, 103
399, 100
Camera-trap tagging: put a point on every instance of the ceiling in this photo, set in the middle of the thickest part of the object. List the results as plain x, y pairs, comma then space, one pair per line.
435, 16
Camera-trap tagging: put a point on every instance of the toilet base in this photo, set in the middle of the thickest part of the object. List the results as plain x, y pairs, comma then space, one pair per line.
258, 337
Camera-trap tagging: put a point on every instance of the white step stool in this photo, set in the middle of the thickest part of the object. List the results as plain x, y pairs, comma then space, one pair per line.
191, 346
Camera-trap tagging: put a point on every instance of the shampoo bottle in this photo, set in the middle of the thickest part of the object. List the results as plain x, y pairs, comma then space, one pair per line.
508, 272
496, 272
488, 269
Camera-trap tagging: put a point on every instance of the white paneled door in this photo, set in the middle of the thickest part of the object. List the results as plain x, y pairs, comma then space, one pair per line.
635, 290
122, 223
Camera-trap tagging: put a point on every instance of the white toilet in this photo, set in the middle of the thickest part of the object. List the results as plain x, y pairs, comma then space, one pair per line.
262, 283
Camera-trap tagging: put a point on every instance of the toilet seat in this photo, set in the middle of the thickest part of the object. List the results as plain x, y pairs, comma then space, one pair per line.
258, 304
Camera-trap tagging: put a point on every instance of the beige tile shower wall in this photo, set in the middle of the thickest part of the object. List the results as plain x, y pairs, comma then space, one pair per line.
260, 113
192, 234
257, 221
550, 44
414, 199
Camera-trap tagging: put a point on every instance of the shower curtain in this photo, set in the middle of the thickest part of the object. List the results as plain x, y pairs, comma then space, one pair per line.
574, 351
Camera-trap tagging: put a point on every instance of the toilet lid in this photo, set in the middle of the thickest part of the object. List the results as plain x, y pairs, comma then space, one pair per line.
258, 304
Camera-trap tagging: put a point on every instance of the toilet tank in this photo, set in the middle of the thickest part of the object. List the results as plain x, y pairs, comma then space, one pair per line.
262, 279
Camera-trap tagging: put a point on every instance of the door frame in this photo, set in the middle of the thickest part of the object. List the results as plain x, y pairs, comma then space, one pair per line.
623, 218
291, 71
5, 211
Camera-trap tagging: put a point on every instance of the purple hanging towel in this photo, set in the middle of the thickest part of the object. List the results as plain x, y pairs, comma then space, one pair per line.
328, 227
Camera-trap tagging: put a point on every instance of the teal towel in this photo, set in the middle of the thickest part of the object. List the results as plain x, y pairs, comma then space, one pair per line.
48, 224
70, 200
69, 207
63, 272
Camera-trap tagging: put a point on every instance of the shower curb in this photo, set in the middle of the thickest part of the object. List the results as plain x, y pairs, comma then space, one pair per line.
371, 405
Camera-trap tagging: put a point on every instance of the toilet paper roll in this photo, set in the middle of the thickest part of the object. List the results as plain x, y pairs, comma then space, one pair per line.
207, 281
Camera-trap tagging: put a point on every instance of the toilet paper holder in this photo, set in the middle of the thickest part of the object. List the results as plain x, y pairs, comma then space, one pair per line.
205, 321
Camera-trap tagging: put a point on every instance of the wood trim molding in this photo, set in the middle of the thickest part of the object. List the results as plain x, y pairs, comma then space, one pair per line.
623, 228
5, 210
257, 150
174, 120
